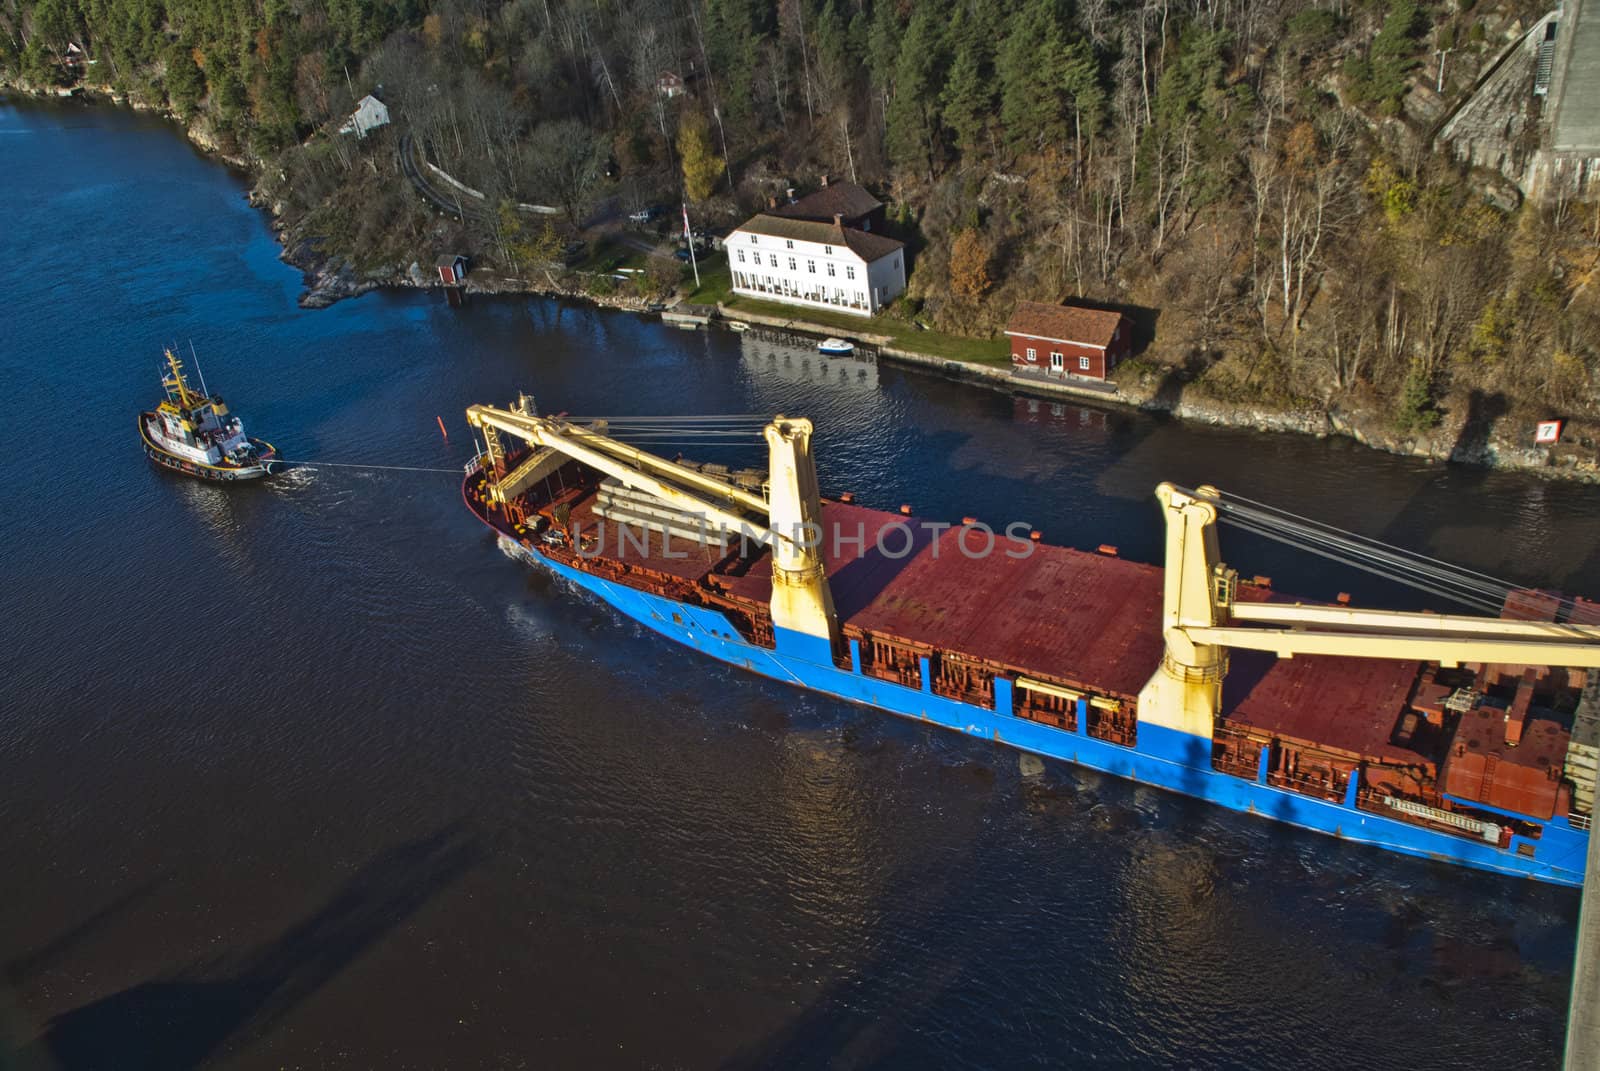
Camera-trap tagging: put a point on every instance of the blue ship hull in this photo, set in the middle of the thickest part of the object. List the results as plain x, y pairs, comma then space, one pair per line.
1163, 758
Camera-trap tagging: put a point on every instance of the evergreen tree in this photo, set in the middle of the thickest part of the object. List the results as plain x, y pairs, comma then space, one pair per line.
913, 112
733, 39
1028, 68
185, 84
883, 45
1079, 79
1416, 411
967, 102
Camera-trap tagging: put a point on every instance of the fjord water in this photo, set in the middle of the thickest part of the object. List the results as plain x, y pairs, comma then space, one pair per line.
309, 774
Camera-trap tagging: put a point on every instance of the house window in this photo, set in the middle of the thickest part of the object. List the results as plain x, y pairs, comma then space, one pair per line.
791, 264
752, 239
741, 256
827, 250
850, 272
811, 266
774, 260
1083, 364
1033, 355
1056, 360
788, 244
830, 271
897, 262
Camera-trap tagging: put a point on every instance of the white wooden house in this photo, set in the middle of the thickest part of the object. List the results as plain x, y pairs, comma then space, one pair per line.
817, 265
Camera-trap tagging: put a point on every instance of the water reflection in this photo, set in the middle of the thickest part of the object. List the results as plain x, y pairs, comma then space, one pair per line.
765, 353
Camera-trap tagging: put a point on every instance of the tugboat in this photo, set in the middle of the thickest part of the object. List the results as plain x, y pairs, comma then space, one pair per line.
193, 433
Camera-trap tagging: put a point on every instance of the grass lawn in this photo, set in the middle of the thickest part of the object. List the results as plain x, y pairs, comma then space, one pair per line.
716, 282
903, 335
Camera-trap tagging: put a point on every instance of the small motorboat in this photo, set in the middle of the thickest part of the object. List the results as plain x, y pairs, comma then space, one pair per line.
192, 432
836, 347
738, 325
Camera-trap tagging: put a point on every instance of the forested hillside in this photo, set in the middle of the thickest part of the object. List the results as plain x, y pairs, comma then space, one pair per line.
1257, 174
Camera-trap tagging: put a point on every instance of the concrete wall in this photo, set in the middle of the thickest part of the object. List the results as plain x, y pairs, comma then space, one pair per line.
1498, 127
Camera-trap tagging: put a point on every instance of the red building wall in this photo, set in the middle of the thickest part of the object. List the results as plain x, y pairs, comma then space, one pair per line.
1071, 353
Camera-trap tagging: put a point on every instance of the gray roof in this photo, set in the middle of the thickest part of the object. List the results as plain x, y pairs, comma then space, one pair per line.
869, 247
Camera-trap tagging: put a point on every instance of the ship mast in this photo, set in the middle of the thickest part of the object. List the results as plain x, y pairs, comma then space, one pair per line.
175, 381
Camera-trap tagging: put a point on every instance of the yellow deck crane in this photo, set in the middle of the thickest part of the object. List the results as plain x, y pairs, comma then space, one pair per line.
788, 516
1201, 620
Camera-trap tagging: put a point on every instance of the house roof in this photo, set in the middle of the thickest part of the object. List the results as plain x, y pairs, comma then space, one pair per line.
1064, 323
448, 260
835, 199
869, 247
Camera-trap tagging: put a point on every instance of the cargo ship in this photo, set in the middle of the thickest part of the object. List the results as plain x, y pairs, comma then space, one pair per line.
192, 432
1469, 740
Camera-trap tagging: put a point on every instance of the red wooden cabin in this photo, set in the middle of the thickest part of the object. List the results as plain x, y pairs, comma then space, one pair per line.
1067, 340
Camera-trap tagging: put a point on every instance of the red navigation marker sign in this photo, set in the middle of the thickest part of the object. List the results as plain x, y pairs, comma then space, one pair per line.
1548, 433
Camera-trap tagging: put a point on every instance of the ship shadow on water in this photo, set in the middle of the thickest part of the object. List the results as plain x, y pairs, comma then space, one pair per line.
55, 951
186, 1020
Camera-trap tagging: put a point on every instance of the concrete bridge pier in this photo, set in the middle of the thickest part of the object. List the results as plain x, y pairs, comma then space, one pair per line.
1583, 1011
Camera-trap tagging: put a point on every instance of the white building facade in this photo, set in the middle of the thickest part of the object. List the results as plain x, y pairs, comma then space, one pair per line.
815, 265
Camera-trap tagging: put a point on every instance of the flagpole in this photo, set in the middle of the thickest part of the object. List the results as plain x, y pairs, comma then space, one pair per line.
689, 240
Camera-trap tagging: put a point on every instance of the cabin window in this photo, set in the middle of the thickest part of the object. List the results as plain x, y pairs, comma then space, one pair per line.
1083, 364
1526, 850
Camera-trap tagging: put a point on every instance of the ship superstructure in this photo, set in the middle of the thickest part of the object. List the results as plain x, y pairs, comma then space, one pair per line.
193, 432
1467, 739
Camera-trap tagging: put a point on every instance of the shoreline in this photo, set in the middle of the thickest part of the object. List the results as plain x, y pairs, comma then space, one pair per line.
329, 277
1453, 442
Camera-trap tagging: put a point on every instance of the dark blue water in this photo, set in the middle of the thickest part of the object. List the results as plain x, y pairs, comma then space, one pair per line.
308, 774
